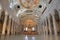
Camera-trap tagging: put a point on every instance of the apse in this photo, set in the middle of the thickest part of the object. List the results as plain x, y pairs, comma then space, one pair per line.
29, 24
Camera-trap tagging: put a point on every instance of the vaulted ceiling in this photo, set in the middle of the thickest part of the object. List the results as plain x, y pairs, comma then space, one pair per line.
15, 8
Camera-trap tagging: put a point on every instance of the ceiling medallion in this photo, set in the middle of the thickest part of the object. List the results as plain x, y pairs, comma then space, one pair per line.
29, 4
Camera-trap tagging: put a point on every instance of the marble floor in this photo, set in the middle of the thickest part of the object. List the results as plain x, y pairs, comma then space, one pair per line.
30, 37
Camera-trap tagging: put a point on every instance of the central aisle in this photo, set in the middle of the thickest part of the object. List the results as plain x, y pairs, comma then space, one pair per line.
29, 37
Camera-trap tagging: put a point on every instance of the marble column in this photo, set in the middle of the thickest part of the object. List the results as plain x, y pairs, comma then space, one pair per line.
44, 35
9, 26
0, 14
46, 27
54, 25
4, 24
49, 23
43, 28
12, 27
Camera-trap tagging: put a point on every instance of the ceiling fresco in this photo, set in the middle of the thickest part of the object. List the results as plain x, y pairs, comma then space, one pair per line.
29, 19
29, 4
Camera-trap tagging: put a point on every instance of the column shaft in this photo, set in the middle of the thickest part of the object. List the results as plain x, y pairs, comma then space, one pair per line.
12, 27
43, 28
46, 28
49, 22
54, 25
9, 25
4, 24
